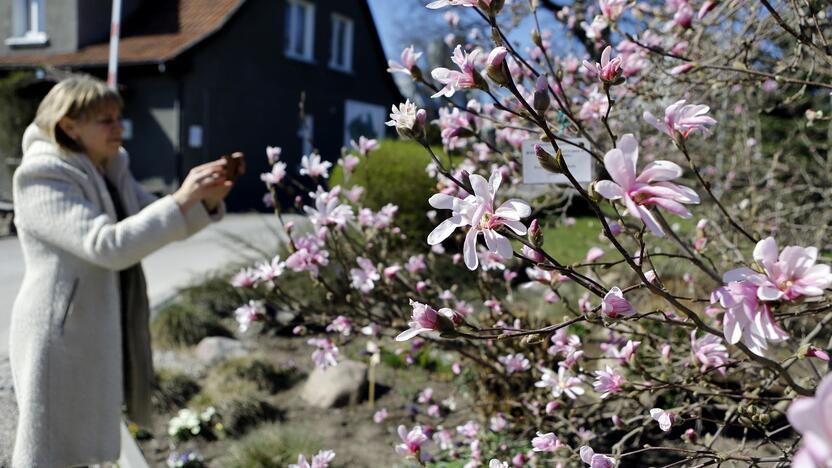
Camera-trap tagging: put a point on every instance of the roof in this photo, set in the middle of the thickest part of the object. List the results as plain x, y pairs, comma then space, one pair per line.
157, 32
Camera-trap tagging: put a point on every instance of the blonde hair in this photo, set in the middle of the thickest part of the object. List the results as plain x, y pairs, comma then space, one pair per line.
78, 97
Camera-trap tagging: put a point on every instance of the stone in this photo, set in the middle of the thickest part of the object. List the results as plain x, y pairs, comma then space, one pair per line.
214, 349
336, 386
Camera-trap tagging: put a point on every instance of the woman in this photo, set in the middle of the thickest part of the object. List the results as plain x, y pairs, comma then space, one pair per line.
79, 345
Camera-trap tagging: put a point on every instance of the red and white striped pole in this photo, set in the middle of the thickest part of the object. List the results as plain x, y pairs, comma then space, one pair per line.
115, 32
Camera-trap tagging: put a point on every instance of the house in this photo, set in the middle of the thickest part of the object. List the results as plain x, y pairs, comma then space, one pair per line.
202, 78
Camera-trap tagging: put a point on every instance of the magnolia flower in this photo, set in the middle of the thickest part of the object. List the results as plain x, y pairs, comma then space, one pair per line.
608, 70
494, 463
409, 58
595, 107
514, 363
425, 318
245, 278
709, 351
651, 187
607, 382
327, 353
249, 313
328, 211
364, 145
625, 354
349, 162
595, 460
682, 118
664, 418
273, 154
478, 212
497, 422
364, 278
267, 271
380, 416
788, 276
312, 166
408, 120
547, 442
612, 9
614, 305
320, 460
747, 319
561, 384
443, 3
341, 325
308, 256
812, 418
466, 78
469, 430
412, 441
595, 30
276, 175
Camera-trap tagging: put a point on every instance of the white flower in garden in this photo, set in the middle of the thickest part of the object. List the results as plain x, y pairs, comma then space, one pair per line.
478, 211
547, 442
246, 278
595, 460
364, 145
560, 383
249, 313
408, 119
364, 278
682, 119
273, 154
313, 166
340, 324
514, 363
409, 58
664, 418
267, 271
328, 211
327, 353
276, 175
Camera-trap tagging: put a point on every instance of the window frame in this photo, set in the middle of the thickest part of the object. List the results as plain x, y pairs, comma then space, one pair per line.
307, 53
347, 46
28, 29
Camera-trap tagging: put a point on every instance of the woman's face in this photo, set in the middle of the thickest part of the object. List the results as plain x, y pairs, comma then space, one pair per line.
99, 134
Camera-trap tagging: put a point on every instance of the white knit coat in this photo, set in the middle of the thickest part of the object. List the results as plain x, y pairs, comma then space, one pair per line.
65, 343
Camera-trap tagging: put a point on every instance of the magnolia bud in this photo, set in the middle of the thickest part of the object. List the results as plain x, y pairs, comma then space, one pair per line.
593, 193
535, 233
536, 38
546, 160
541, 99
496, 68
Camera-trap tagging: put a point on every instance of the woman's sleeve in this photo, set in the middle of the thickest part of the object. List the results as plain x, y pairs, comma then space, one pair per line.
50, 205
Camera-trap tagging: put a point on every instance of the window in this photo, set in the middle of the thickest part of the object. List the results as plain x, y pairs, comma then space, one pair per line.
300, 29
306, 133
27, 23
341, 51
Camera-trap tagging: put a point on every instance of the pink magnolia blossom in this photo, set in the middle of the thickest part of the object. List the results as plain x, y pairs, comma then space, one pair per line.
612, 9
328, 211
409, 58
416, 263
326, 354
607, 382
276, 175
249, 313
812, 418
267, 272
424, 319
682, 69
380, 415
425, 396
412, 442
308, 256
273, 154
547, 442
349, 162
747, 319
469, 430
664, 418
608, 70
682, 119
443, 3
313, 166
595, 30
651, 187
614, 305
364, 277
478, 211
341, 325
454, 80
560, 383
595, 107
515, 363
788, 276
625, 354
497, 422
709, 351
321, 460
364, 145
593, 254
245, 278
595, 460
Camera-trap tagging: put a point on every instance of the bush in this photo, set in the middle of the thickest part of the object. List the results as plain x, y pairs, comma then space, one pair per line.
216, 295
173, 390
268, 447
256, 370
243, 411
395, 173
183, 324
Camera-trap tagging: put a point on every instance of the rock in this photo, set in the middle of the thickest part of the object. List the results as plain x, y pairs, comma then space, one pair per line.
336, 386
217, 348
182, 362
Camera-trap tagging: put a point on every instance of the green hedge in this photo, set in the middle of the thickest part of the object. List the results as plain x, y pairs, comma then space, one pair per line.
395, 173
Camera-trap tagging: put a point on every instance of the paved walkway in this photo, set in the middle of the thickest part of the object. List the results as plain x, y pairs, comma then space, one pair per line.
237, 239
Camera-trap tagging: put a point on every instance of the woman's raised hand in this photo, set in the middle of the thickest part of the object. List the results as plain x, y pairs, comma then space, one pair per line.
234, 166
202, 181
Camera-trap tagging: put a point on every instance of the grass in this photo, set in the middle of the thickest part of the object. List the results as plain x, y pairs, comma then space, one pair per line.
269, 446
569, 244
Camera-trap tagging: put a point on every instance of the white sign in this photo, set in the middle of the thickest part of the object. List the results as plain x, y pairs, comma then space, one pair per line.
577, 159
195, 136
